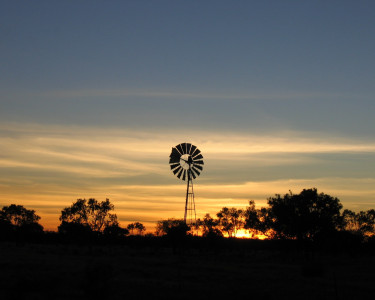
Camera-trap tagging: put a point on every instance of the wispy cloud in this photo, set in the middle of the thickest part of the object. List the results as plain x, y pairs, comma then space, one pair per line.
50, 167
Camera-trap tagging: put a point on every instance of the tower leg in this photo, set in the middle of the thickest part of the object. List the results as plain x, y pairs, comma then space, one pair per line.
190, 213
187, 199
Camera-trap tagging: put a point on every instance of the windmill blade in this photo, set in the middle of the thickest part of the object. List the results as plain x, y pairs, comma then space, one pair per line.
198, 167
199, 162
174, 153
192, 149
192, 174
179, 173
196, 152
188, 147
177, 152
196, 171
174, 166
199, 156
174, 156
174, 159
183, 146
176, 170
179, 148
184, 176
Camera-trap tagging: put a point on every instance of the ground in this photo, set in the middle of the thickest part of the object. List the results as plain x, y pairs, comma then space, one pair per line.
68, 271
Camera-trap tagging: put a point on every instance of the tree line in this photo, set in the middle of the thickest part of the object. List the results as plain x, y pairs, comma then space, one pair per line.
309, 215
83, 219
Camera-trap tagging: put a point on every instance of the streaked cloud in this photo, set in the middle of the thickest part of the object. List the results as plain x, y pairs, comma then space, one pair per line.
47, 168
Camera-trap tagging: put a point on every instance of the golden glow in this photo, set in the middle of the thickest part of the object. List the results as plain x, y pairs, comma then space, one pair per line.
246, 234
48, 168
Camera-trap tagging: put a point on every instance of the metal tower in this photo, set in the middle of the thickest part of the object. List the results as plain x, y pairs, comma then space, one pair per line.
190, 213
186, 162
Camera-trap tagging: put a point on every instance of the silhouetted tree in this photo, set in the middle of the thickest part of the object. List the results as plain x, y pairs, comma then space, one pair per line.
7, 230
138, 226
306, 215
18, 215
172, 228
251, 215
131, 228
115, 230
362, 223
75, 230
29, 229
252, 220
90, 214
224, 221
197, 226
18, 219
209, 227
230, 220
258, 221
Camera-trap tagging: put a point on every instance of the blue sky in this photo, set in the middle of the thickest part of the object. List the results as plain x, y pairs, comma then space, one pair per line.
278, 95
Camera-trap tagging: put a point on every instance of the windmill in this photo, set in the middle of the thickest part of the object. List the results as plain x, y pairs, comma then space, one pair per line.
186, 162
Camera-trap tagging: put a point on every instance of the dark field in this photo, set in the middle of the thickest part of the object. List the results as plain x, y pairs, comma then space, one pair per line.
142, 271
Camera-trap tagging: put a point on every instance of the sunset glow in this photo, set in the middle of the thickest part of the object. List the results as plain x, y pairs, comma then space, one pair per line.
48, 169
93, 100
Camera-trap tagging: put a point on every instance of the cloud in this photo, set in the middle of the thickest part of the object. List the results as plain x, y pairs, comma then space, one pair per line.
49, 167
118, 153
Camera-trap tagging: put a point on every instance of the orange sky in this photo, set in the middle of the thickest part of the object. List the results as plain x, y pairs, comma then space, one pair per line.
48, 168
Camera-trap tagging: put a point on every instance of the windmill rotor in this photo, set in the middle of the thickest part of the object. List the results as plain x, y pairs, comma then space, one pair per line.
186, 160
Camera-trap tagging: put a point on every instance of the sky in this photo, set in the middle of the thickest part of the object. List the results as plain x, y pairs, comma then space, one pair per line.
278, 96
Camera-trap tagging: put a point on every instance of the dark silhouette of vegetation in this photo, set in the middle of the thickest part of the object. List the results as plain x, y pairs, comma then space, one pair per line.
7, 230
17, 215
305, 215
209, 227
137, 226
85, 217
75, 231
19, 221
230, 220
362, 223
257, 221
91, 213
115, 231
175, 228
